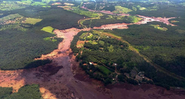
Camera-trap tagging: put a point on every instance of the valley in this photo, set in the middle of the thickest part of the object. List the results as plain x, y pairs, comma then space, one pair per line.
97, 54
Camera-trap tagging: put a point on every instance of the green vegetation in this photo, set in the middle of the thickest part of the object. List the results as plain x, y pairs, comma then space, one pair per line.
155, 50
93, 42
48, 29
111, 51
10, 5
4, 92
38, 4
107, 58
12, 27
9, 17
32, 21
21, 4
12, 22
56, 18
160, 28
134, 19
161, 10
46, 6
162, 47
83, 12
20, 48
111, 48
148, 8
111, 19
120, 9
104, 70
86, 36
25, 2
25, 92
180, 31
109, 8
22, 42
50, 39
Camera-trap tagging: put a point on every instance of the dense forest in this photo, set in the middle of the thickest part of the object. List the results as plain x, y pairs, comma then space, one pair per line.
99, 54
110, 19
19, 46
162, 45
165, 48
26, 92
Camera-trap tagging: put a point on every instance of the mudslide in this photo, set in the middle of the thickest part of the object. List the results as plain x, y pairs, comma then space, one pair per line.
57, 81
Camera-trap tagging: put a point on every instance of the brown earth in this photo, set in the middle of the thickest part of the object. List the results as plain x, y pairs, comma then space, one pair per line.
144, 91
113, 26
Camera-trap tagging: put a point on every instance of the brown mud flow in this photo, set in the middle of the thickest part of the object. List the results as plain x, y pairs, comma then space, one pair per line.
57, 81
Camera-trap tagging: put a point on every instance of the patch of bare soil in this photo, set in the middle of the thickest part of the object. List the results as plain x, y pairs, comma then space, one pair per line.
158, 19
113, 26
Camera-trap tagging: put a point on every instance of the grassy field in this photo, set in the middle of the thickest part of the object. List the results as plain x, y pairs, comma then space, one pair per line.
120, 9
48, 29
104, 70
83, 12
93, 42
32, 21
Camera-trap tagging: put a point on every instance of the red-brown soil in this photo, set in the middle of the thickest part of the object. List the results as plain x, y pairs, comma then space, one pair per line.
144, 91
113, 26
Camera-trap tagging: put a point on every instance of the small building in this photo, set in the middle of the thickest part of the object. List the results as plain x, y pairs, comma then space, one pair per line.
90, 63
114, 64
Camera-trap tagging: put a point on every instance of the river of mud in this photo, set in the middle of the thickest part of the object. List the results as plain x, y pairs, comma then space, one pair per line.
63, 79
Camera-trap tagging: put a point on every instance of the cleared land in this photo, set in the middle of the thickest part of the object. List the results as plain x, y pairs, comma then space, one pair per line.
48, 29
32, 21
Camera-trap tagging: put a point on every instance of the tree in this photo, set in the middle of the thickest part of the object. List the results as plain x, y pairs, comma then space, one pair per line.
111, 48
